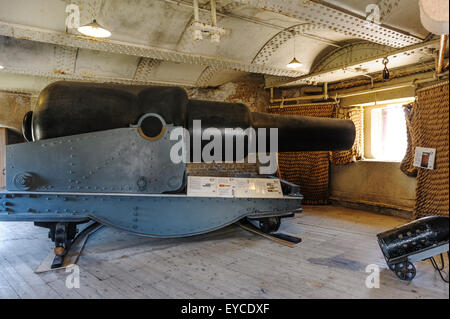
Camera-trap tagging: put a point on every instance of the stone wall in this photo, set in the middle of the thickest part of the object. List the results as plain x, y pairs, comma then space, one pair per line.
248, 90
13, 107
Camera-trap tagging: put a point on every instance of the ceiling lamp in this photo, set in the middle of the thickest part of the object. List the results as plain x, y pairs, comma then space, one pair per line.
94, 30
1, 67
294, 64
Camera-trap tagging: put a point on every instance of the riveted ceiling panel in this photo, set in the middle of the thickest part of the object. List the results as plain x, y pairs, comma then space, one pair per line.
400, 14
49, 14
241, 42
177, 72
157, 23
92, 63
22, 54
267, 16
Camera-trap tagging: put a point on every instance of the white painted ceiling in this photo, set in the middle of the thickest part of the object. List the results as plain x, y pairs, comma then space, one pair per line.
254, 39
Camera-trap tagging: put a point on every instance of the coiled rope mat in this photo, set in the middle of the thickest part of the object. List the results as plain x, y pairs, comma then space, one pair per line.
309, 170
427, 122
356, 152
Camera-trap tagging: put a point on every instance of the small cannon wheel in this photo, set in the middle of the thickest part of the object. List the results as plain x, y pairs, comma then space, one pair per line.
270, 225
405, 271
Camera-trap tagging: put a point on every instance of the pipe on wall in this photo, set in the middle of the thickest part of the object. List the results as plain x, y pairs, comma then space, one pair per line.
213, 13
196, 11
323, 96
413, 84
440, 66
386, 88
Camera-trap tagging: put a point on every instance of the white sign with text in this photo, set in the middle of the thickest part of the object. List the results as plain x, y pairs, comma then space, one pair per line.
202, 186
424, 157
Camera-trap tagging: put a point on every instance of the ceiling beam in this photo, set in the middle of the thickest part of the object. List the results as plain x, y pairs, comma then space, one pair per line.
52, 76
144, 68
206, 76
126, 48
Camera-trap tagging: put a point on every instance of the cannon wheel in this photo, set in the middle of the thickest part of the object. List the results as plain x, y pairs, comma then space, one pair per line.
270, 225
405, 271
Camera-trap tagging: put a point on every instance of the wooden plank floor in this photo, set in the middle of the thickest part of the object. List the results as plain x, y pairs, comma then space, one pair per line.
338, 244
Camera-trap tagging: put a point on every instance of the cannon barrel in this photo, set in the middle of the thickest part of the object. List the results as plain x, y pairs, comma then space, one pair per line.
70, 108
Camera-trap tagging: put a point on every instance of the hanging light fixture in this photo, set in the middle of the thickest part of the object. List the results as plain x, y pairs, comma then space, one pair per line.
386, 74
294, 64
94, 30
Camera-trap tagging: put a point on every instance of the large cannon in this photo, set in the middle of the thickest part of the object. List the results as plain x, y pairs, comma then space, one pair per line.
103, 152
71, 108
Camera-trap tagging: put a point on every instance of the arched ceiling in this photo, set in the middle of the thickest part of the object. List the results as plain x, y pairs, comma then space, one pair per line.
152, 39
347, 53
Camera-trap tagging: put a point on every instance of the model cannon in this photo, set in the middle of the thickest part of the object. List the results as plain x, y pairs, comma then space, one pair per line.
418, 240
103, 152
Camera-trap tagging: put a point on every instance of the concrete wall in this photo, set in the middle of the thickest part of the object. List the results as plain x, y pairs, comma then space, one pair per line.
373, 183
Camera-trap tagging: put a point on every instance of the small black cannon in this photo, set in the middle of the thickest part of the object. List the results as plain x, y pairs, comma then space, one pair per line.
419, 240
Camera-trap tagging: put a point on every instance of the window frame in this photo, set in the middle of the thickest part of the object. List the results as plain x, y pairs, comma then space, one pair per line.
367, 129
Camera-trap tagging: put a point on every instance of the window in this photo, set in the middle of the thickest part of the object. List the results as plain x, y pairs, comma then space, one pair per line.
388, 133
385, 132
